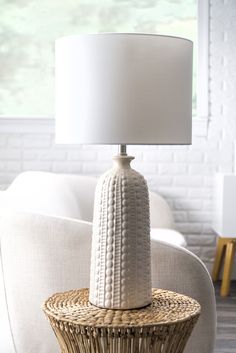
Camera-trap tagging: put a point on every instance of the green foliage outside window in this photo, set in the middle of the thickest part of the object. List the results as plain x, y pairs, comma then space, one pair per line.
28, 29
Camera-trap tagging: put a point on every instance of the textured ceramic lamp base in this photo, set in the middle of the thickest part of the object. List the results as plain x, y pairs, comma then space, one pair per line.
120, 263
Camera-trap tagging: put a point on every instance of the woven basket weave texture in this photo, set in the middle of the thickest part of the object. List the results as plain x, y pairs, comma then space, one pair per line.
163, 326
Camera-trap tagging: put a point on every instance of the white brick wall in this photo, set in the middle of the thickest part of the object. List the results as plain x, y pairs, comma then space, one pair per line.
182, 174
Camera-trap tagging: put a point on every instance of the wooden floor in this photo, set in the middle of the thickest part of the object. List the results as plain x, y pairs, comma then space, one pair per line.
226, 317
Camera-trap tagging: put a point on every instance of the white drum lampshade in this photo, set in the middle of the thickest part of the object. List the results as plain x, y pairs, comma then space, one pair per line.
122, 89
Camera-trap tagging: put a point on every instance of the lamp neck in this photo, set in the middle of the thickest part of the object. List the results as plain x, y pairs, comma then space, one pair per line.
122, 161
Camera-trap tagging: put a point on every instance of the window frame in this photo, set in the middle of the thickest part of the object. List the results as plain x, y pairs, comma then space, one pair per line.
200, 122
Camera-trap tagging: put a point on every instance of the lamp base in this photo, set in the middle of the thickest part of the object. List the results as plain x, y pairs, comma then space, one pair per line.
120, 263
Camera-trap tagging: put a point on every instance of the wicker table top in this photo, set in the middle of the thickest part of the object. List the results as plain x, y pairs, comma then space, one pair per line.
166, 308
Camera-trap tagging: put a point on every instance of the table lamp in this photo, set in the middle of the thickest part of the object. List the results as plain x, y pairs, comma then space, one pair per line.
118, 88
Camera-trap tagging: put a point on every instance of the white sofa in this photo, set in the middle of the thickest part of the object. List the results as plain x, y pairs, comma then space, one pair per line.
69, 195
46, 249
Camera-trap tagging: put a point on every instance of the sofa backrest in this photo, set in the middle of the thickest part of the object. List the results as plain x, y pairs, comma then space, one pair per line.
68, 195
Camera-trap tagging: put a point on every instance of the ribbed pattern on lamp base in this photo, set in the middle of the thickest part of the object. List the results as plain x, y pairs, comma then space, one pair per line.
120, 263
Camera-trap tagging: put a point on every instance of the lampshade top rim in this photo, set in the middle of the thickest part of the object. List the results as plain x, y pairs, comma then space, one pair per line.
121, 34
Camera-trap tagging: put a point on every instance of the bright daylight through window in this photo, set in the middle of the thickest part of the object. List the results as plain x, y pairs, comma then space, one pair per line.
28, 31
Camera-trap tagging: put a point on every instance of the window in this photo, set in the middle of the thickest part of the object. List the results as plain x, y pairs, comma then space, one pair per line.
29, 29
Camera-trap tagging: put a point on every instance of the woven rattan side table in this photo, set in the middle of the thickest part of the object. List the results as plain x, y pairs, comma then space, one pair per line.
161, 327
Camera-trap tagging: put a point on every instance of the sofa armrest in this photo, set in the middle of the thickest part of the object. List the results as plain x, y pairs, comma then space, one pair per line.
169, 236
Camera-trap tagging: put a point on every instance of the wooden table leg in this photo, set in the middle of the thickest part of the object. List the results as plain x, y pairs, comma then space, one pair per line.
218, 259
229, 257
